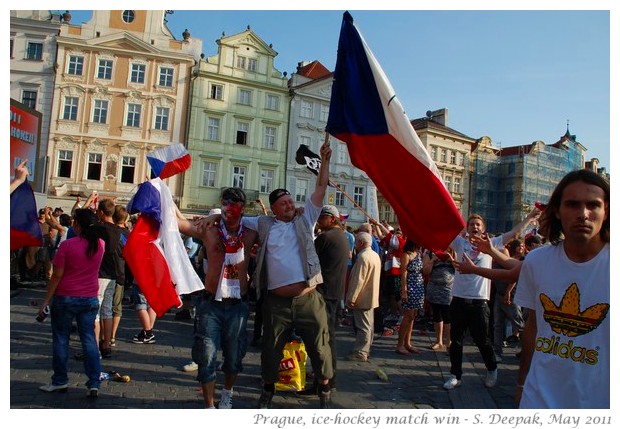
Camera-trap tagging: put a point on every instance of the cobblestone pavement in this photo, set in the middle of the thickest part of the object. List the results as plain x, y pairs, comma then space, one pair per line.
157, 381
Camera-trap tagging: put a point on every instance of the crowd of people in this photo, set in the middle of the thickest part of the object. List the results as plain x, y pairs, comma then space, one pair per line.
546, 291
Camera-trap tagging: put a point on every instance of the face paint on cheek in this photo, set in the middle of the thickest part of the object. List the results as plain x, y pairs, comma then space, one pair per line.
233, 210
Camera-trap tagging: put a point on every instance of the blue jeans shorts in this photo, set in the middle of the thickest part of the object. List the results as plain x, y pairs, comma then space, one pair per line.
219, 324
138, 298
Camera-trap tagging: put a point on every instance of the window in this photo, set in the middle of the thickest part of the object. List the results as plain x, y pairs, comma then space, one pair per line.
324, 112
242, 133
128, 169
434, 153
339, 200
301, 190
12, 45
245, 97
161, 118
71, 108
217, 91
34, 51
452, 157
462, 160
306, 109
270, 138
246, 63
128, 16
457, 185
241, 62
29, 98
105, 69
213, 129
272, 102
137, 73
305, 140
342, 153
100, 112
93, 171
76, 65
65, 159
166, 74
266, 181
133, 115
444, 155
238, 179
252, 64
448, 181
358, 195
209, 170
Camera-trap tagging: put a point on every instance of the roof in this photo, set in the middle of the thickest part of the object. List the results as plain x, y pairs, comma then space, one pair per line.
314, 70
422, 123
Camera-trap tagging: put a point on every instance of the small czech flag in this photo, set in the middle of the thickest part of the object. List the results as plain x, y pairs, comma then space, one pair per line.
169, 160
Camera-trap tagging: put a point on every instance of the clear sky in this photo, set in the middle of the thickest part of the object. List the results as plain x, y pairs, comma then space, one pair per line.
515, 76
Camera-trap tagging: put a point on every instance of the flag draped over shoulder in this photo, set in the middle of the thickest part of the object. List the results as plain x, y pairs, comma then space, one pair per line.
25, 229
365, 113
155, 252
169, 160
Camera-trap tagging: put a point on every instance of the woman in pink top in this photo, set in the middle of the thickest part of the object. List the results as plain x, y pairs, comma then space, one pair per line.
72, 292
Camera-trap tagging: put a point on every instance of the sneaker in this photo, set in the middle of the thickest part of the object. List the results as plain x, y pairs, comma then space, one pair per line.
325, 399
491, 379
452, 383
264, 402
92, 392
226, 399
357, 358
190, 367
144, 337
62, 388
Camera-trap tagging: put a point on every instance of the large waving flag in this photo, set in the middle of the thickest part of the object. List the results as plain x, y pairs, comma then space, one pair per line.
25, 229
155, 252
169, 160
365, 114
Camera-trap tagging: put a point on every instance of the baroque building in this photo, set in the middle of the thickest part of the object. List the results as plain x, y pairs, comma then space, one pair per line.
238, 125
121, 91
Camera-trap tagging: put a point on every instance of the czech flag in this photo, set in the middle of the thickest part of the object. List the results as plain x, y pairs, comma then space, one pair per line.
155, 252
25, 229
169, 160
365, 114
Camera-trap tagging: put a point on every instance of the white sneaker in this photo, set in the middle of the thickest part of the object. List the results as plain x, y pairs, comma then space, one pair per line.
226, 399
452, 383
190, 367
491, 379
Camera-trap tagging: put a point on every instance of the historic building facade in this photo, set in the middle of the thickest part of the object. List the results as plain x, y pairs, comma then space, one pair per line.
238, 123
122, 87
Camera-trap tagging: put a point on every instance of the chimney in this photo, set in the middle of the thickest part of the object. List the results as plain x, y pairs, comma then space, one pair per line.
440, 116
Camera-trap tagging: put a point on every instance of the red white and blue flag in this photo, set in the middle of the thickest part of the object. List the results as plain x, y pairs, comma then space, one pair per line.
155, 252
365, 113
169, 160
25, 229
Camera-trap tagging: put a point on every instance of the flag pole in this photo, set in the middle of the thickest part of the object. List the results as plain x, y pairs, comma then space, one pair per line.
335, 185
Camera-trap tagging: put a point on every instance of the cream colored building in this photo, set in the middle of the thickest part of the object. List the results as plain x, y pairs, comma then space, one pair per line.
122, 87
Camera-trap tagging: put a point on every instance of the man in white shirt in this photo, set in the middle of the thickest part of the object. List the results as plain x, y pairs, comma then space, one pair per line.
566, 355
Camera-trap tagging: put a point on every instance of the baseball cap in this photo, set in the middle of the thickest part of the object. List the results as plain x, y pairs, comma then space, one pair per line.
276, 194
330, 211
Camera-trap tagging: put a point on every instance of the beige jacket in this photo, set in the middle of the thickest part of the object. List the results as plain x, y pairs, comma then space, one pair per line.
364, 280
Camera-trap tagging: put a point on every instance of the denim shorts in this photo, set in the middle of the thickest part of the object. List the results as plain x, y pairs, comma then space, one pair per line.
106, 298
138, 298
219, 325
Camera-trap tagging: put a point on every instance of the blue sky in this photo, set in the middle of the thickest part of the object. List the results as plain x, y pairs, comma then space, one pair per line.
515, 76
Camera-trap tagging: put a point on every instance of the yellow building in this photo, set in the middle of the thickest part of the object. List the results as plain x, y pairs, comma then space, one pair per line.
122, 88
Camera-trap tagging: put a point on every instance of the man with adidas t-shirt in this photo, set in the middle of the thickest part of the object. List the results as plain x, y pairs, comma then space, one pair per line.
565, 358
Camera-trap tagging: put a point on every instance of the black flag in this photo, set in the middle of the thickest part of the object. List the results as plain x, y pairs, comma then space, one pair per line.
304, 156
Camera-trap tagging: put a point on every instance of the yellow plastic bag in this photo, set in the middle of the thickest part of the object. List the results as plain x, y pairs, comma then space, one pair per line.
292, 373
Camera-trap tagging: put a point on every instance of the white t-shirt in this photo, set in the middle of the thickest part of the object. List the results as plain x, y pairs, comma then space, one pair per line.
570, 367
283, 255
473, 286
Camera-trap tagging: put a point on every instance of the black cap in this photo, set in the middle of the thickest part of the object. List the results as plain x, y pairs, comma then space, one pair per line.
236, 195
276, 194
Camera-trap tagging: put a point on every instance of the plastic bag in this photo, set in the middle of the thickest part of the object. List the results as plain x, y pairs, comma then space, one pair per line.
292, 373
